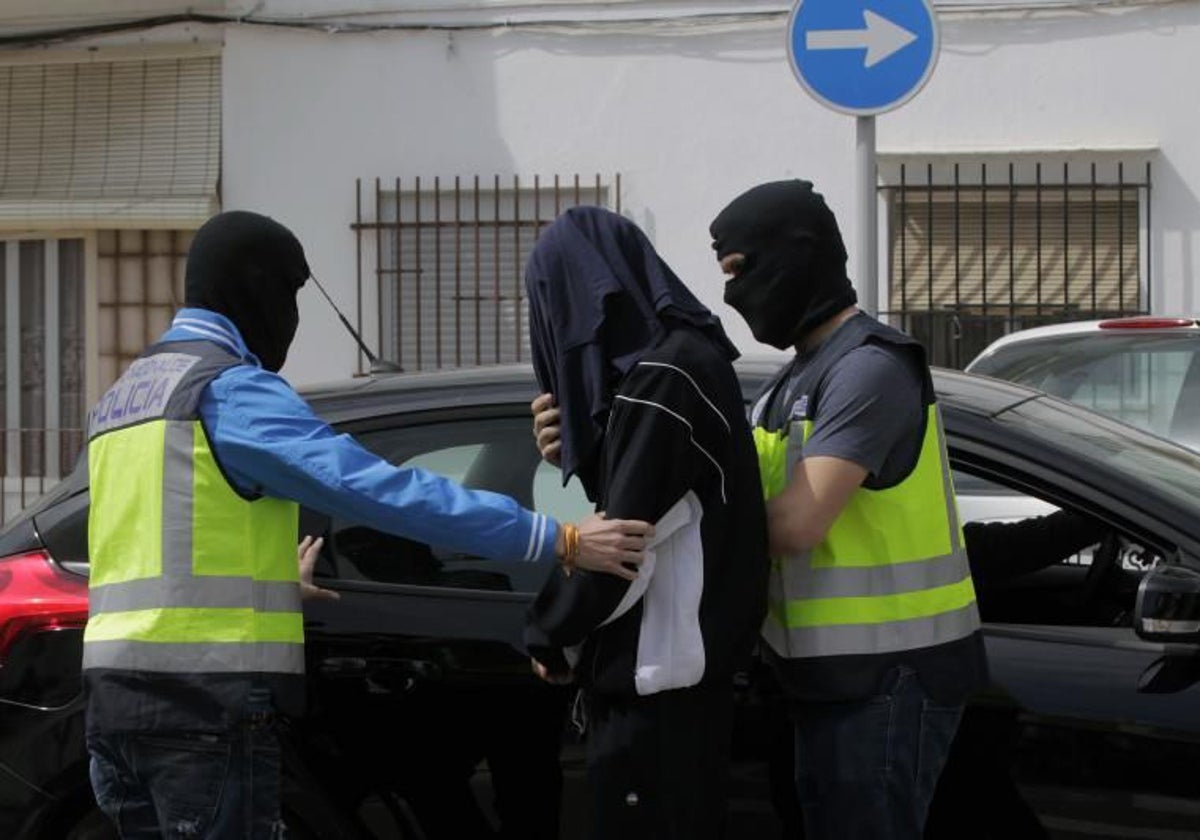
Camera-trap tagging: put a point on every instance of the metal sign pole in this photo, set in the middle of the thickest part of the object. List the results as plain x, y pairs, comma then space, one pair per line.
863, 57
867, 280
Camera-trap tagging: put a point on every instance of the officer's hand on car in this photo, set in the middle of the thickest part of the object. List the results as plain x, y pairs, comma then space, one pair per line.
307, 553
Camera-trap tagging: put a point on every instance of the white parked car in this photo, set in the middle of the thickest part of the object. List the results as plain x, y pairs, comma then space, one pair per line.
1144, 371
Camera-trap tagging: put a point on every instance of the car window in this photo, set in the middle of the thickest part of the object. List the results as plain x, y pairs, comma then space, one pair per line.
983, 500
1027, 572
566, 504
496, 454
1171, 473
452, 462
1148, 381
1139, 388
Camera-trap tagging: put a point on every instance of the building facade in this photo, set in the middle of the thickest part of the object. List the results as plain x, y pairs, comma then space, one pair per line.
1046, 171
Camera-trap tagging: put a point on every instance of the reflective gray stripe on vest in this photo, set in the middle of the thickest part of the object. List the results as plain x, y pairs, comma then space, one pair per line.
178, 586
177, 501
203, 592
804, 582
796, 580
199, 658
948, 490
887, 637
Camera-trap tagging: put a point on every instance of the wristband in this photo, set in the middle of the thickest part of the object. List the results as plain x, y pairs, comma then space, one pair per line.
570, 548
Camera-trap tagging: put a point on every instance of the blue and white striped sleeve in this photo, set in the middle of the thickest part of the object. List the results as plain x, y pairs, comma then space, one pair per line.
269, 441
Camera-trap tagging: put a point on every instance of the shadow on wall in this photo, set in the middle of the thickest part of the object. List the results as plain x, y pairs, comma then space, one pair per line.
1174, 239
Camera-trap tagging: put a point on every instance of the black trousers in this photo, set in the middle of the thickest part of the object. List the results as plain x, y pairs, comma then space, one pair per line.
658, 766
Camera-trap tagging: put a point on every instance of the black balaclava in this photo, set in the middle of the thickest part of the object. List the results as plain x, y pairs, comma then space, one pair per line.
599, 298
794, 278
249, 268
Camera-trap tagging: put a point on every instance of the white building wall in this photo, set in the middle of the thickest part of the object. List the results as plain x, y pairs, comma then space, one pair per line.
307, 114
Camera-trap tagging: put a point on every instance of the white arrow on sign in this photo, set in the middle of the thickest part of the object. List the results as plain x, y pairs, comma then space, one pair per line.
881, 38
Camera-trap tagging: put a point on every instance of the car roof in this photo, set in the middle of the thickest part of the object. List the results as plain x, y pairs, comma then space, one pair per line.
969, 403
971, 406
1138, 324
372, 395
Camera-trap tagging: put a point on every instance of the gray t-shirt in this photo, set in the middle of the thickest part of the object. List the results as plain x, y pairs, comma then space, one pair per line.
870, 412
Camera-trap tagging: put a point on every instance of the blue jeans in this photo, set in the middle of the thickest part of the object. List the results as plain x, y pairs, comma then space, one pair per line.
869, 769
209, 786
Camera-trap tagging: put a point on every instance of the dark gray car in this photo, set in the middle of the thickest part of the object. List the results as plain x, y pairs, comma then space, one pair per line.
425, 721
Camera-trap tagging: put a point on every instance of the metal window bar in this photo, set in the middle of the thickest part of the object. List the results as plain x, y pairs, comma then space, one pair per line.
1092, 199
929, 226
1012, 237
23, 482
973, 257
478, 202
457, 269
983, 239
496, 266
1066, 230
417, 274
1121, 234
1038, 236
449, 262
957, 334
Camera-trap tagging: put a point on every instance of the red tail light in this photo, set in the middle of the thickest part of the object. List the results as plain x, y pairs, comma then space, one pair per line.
36, 596
1145, 323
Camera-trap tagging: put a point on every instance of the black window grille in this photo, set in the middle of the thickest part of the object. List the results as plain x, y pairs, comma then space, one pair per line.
449, 256
976, 251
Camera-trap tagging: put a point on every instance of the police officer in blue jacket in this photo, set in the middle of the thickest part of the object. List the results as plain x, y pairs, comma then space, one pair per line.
198, 458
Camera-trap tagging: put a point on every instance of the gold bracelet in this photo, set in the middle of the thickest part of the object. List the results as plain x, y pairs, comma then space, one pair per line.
570, 547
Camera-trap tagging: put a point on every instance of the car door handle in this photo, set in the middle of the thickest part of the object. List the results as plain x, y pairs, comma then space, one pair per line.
362, 666
417, 669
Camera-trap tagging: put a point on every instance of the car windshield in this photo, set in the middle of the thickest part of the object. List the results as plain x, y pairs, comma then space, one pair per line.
1142, 460
1148, 380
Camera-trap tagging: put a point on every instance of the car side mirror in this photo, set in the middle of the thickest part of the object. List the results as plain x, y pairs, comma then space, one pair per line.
1168, 605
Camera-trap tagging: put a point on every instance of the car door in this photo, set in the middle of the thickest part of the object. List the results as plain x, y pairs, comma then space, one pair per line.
1082, 732
421, 660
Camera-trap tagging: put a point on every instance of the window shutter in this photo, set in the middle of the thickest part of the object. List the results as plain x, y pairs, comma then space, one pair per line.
1016, 250
121, 143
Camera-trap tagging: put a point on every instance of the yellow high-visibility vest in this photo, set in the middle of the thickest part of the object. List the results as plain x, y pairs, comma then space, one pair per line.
187, 576
891, 574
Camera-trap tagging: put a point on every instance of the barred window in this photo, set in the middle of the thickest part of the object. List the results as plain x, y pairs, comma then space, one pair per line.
977, 250
449, 260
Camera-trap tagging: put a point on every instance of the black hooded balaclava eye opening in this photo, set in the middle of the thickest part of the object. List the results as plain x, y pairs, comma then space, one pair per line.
249, 268
794, 277
600, 296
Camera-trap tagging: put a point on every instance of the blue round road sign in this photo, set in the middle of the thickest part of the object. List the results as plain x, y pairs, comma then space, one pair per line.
863, 57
